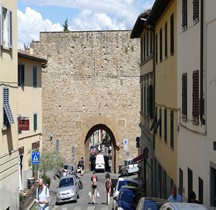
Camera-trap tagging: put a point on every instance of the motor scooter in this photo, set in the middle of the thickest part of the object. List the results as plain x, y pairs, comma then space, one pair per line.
80, 170
80, 184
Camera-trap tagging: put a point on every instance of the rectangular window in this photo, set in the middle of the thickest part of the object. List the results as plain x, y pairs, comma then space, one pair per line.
195, 108
212, 186
151, 42
161, 45
147, 44
184, 14
35, 121
184, 96
160, 129
142, 50
34, 76
150, 101
156, 48
165, 125
165, 31
200, 190
21, 75
180, 181
172, 34
195, 11
6, 27
145, 109
7, 114
172, 129
190, 180
142, 99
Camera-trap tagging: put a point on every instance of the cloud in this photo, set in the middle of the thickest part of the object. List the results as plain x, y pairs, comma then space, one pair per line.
96, 15
30, 24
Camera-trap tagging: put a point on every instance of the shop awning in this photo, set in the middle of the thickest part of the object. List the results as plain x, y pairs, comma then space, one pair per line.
138, 158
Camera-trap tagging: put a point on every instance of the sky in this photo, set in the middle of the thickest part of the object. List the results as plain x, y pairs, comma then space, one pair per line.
35, 16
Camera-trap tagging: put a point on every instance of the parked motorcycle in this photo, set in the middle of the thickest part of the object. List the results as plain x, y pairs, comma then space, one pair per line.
80, 170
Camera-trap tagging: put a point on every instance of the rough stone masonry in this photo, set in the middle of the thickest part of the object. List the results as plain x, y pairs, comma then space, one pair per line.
92, 79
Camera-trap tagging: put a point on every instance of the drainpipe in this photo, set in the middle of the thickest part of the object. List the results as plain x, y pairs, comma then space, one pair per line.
201, 61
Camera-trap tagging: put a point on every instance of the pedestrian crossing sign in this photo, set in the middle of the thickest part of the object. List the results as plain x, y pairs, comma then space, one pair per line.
35, 158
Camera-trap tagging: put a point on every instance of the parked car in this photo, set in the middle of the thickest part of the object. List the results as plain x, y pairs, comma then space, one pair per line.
150, 203
182, 206
128, 198
129, 168
64, 170
122, 182
68, 189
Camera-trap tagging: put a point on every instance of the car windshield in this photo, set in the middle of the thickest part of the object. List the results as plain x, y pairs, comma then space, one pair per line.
68, 167
131, 195
127, 183
66, 182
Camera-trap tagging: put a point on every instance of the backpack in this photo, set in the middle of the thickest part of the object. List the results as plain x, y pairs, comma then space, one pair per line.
108, 184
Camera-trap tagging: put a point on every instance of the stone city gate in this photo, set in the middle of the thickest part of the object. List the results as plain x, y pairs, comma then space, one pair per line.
91, 81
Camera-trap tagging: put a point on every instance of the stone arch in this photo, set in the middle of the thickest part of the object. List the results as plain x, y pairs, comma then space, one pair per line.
103, 123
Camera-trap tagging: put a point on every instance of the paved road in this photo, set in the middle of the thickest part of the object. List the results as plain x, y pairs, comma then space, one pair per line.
84, 201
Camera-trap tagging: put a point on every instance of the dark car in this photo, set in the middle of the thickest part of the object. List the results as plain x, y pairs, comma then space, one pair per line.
150, 203
129, 197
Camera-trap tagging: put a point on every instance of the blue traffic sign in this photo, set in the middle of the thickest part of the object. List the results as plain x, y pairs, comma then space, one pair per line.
35, 158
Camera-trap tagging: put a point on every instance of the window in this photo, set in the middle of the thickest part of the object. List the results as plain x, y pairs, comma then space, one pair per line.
201, 190
34, 76
190, 180
161, 45
165, 125
172, 129
151, 42
195, 97
180, 181
147, 44
142, 95
184, 14
150, 101
142, 49
165, 31
156, 48
6, 27
35, 121
195, 11
7, 114
184, 96
21, 75
172, 34
160, 117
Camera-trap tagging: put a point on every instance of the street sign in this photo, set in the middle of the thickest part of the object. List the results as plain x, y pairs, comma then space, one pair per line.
35, 158
125, 142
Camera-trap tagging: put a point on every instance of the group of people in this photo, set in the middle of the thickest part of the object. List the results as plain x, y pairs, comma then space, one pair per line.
107, 184
175, 197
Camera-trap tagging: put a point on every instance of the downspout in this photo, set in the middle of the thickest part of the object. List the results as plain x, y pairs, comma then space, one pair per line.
201, 61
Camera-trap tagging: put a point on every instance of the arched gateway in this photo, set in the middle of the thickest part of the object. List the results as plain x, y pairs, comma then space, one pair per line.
91, 82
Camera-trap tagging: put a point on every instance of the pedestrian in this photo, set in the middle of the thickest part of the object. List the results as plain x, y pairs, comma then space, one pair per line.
108, 186
175, 197
192, 197
94, 180
42, 195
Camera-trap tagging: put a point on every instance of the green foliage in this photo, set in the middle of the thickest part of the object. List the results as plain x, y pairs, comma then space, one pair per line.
21, 197
48, 161
46, 179
65, 26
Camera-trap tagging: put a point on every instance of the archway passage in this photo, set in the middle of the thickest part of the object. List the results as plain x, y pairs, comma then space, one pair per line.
110, 157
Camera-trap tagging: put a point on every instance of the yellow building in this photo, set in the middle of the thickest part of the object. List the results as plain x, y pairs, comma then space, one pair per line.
29, 111
9, 170
163, 18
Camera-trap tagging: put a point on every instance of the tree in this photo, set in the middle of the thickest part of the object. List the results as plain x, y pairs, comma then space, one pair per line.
48, 161
65, 26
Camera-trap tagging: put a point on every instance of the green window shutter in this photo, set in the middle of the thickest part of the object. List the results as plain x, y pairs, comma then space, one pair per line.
10, 27
34, 76
160, 129
35, 122
172, 129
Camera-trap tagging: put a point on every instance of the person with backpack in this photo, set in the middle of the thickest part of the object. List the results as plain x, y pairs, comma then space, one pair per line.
42, 195
94, 180
108, 186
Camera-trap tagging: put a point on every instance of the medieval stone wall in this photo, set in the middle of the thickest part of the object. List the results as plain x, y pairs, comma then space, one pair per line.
92, 78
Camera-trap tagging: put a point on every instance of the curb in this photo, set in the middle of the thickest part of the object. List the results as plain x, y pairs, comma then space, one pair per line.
31, 205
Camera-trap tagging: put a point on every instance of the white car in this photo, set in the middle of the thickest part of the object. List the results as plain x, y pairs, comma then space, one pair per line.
182, 206
129, 168
122, 182
100, 163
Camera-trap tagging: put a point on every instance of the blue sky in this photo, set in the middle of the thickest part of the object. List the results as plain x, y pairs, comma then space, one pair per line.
35, 16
